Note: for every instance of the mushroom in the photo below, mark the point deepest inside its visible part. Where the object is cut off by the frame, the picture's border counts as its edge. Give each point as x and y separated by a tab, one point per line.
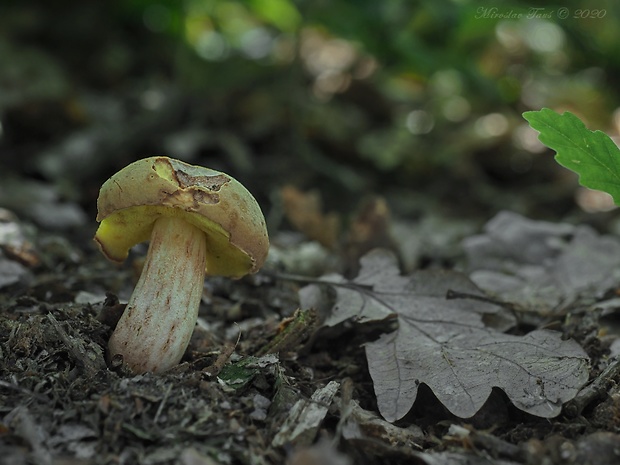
199	221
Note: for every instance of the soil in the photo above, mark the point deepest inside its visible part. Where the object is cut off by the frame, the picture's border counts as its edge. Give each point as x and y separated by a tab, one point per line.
246	388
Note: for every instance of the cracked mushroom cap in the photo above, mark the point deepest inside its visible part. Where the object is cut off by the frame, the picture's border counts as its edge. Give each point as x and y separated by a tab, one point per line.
132	199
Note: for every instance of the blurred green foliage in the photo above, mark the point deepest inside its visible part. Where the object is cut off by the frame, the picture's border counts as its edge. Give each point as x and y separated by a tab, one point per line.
437	68
356	94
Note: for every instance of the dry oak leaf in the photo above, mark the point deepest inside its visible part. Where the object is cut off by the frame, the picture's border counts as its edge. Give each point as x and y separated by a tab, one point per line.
444	343
542	266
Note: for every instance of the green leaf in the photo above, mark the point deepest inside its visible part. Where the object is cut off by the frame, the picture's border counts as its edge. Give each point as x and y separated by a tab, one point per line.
590	154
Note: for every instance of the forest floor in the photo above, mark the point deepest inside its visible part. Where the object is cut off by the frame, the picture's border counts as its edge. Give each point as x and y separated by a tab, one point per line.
447	310
262	383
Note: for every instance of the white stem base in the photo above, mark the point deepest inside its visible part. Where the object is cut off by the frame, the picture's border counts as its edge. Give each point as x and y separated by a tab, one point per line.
157	324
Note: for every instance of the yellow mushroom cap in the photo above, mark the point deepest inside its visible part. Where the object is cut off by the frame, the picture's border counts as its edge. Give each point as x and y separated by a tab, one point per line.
132	199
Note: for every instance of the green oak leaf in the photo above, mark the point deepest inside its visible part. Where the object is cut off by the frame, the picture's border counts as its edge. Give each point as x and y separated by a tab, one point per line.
590	154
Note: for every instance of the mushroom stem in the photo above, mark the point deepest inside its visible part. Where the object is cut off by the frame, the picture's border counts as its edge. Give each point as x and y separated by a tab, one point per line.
159	319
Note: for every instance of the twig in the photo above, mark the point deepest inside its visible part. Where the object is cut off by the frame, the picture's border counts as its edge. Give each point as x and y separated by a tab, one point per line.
225	354
162	403
308	280
91	365
452	294
597	388
17	387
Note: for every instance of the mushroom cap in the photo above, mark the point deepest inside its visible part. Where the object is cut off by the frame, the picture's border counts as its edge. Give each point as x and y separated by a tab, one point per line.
133	199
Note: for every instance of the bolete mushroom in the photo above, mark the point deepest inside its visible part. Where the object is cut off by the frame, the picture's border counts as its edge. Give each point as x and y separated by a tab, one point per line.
199	221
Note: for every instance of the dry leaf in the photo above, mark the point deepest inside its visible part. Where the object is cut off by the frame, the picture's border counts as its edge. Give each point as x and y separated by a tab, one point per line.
541	265
444	343
304	211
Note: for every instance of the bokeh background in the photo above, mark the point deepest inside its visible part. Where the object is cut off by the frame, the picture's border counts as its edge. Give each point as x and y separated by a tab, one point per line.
418	102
